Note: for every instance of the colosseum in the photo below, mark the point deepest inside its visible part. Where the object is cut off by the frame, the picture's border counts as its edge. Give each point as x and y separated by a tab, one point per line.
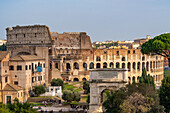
70	55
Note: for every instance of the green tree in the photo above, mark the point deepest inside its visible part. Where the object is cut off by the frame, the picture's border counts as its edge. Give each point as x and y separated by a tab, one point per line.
39	90
159	45
57	82
67	95
86	87
147	79
3	47
164	93
121	97
88	98
77	96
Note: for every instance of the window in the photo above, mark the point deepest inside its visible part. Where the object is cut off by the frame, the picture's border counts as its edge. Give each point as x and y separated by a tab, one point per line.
6	79
105	51
117	53
35	66
18	94
16	82
29	67
91	52
24	35
35	35
11	67
5	71
15	76
19	67
26	67
128	51
44	65
21	94
133	51
32	79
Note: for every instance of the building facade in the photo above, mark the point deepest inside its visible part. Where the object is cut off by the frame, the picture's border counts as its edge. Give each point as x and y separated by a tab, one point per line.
70	55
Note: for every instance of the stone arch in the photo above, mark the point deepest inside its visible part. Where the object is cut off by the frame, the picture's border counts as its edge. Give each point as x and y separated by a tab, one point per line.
24	53
98	65
75	79
138	67
150	64
68	67
102	92
123	65
117	65
91	65
84	79
147	66
98	58
76	65
129	66
104	65
123	58
134	65
129	79
143	65
133	79
85	66
111	65
143	58
56	65
138	78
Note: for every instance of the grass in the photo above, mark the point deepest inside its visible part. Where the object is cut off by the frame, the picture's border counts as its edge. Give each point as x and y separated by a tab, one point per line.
69	87
167	72
78	89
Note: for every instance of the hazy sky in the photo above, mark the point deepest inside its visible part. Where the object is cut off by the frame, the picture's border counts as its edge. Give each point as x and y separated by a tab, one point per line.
101	19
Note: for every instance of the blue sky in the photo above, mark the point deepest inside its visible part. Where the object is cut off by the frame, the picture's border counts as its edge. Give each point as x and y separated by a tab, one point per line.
101	19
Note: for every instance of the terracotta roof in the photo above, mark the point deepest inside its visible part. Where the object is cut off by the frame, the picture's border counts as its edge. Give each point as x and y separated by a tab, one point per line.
26	58
3	54
12	87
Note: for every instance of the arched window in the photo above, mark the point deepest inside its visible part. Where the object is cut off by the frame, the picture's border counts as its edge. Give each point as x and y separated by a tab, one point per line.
85	66
56	65
143	58
147	66
129	80
143	65
84	79
98	58
129	66
111	64
134	65
98	65
123	65
123	58
138	79
91	65
138	67
76	65
104	65
150	64
117	65
133	79
128	51
75	79
68	66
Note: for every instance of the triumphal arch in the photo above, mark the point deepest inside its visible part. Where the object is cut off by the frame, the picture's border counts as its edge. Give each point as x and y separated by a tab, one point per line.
102	79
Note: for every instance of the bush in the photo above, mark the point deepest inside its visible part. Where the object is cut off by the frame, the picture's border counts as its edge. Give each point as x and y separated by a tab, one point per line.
39	90
57	82
86	87
70	96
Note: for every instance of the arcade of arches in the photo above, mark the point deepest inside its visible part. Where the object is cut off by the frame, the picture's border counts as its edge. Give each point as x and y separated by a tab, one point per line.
133	61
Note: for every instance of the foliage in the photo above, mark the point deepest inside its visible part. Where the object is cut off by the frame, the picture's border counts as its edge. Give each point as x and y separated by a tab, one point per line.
70	96
88	98
39	90
164	93
86	87
123	97
4	109
159	45
3	47
21	108
136	103
146	79
77	96
57	82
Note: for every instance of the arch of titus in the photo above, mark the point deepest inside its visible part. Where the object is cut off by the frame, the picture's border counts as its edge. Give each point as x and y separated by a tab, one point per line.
102	79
